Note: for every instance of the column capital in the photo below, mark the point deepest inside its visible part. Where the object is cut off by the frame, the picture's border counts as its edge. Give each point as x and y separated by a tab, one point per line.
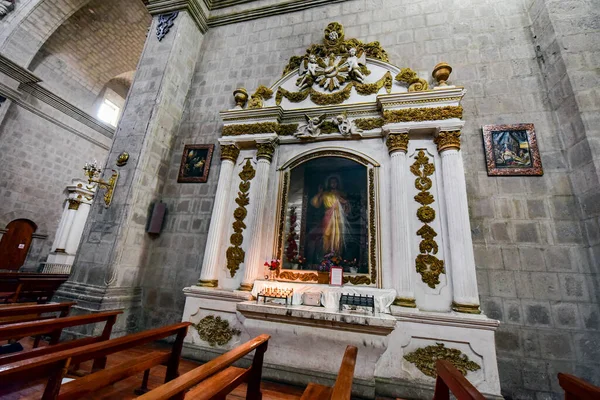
397	141
74	204
265	149
196	8
229	152
447	140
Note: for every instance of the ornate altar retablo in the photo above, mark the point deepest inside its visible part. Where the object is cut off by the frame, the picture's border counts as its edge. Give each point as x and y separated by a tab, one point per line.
348	161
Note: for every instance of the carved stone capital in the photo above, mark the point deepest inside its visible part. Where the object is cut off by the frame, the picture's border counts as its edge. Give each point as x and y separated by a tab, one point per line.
397	142
265	150
447	140
229	152
74	204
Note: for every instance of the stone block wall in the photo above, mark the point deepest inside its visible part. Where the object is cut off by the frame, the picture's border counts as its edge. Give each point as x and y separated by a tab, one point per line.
531	247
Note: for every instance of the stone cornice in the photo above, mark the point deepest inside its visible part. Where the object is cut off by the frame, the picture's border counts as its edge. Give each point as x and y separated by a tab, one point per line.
193	7
16	72
266	11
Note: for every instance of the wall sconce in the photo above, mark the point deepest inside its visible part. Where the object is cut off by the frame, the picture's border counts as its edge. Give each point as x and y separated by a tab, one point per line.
92	170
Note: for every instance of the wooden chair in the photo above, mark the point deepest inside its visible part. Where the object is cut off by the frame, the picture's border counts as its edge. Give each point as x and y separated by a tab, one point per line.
449	379
54	366
218	377
54	328
342	389
577	389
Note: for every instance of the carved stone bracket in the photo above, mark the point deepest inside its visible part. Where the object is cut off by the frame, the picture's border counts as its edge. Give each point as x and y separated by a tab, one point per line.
165	23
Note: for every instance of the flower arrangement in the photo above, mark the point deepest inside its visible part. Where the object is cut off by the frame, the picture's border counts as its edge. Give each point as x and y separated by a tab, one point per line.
291	250
329	260
273	265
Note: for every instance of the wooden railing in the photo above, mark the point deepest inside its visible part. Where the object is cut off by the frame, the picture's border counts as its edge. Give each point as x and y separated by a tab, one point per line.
217	378
577	389
20	312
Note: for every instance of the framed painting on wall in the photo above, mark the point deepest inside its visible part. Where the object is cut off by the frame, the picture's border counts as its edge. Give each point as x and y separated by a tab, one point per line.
511	150
195	163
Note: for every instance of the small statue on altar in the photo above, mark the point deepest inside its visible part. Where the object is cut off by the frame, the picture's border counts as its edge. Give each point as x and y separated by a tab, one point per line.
308	72
354	65
346	126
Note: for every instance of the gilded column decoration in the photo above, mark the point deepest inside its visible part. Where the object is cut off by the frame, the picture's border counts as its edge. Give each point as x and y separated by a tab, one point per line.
229	152
447	140
265	151
428	265
235	253
372	228
397	142
425	358
415	84
215	331
74	204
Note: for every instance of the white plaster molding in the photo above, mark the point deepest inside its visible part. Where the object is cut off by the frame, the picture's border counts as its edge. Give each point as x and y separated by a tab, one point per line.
247	139
459	320
216	294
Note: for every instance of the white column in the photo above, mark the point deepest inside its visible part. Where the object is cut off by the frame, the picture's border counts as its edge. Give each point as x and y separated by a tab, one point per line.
253	262
64	234
209	276
76	230
402	274
61	227
462	260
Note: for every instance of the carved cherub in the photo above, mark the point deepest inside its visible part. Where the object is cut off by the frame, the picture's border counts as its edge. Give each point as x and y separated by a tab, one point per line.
308	72
346	126
311	128
354	64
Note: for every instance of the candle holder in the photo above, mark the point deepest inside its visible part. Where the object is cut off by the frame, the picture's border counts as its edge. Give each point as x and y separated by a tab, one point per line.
92	171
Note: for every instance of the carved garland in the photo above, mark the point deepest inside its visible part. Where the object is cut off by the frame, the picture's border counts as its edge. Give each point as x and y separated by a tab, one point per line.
260	127
324	99
215	331
235	253
427	264
423	114
426	357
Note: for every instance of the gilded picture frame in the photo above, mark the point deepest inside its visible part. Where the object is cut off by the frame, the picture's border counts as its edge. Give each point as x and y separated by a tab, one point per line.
195	163
512	150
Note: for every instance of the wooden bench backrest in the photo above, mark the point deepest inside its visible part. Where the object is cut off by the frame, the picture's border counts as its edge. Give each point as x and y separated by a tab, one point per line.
451	379
195	376
342	390
577	389
21	313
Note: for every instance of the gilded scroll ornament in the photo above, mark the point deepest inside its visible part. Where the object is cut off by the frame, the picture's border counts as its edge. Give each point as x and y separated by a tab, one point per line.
309	277
447	140
427	264
215	331
410	77
257	99
366	124
397	142
422	114
265	151
357	279
425	358
250	129
230	152
235	253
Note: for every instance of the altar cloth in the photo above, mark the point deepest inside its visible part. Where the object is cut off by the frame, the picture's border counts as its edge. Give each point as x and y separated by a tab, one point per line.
330	295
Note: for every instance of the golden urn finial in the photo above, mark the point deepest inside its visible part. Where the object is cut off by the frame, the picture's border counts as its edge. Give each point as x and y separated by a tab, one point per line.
441	73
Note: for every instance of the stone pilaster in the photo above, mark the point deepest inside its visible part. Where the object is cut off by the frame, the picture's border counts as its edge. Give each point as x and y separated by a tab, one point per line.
402	273
212	252
115	246
254	262
462	259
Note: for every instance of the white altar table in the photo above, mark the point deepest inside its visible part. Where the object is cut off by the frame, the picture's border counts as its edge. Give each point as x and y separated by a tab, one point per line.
330	295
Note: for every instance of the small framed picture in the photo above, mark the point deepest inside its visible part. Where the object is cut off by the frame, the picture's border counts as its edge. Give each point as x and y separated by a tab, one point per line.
195	163
336	276
511	150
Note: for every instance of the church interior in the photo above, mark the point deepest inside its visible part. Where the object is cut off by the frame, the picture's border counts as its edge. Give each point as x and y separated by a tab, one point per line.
299	199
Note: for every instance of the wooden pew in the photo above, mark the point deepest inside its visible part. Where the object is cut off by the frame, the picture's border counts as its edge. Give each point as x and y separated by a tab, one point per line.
449	379
342	389
54	327
54	366
19	312
27	286
577	389
218	377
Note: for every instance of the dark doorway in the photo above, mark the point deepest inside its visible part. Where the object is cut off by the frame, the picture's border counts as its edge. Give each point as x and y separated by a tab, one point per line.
15	243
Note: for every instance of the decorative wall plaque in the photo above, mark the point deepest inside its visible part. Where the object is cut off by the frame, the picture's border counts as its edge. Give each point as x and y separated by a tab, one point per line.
511	150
